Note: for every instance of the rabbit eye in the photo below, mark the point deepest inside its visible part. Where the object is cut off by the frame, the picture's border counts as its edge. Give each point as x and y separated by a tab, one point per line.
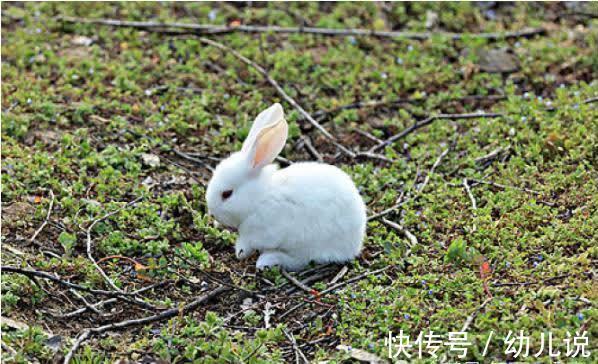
226	194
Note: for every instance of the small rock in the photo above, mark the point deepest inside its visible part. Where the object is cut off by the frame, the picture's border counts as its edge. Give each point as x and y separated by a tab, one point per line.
176	180
13	324
246	303
148	181
81	40
40	58
431	19
54	342
45	136
91	202
150	160
497	61
17	211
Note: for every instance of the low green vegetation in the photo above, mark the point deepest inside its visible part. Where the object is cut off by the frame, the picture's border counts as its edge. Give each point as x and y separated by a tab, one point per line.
94	118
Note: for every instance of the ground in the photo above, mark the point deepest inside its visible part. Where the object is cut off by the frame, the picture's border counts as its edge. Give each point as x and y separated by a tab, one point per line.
108	136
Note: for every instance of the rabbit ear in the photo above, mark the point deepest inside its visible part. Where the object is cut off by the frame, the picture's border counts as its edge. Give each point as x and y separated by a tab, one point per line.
270	138
265	119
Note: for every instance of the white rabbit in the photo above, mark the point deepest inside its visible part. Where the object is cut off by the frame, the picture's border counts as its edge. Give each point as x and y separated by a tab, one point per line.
305	212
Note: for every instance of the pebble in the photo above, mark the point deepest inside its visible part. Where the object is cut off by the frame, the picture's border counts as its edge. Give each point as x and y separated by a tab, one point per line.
150	160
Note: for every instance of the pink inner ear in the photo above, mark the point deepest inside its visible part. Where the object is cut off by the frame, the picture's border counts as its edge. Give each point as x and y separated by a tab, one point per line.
269	143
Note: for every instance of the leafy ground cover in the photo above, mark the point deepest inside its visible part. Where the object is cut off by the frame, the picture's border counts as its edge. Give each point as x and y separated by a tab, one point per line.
108	136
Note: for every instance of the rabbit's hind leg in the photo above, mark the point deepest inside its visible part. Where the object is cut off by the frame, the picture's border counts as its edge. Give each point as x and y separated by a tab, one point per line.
271	258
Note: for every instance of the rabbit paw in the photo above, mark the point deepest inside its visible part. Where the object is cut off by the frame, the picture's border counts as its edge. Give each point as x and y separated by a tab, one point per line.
275	258
242	250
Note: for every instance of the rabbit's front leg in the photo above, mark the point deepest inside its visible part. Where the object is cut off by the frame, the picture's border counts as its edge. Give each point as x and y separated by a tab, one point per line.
271	258
243	249
253	237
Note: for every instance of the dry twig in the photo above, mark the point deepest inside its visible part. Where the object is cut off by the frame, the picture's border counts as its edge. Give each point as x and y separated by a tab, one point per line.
471	317
427	121
339	275
41	227
332	289
400	202
412	239
298	353
34	273
311	149
183	28
295	281
142	321
89	243
474	205
192	159
280	90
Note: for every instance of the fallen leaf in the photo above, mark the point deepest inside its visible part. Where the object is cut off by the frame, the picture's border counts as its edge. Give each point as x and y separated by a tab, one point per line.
485	270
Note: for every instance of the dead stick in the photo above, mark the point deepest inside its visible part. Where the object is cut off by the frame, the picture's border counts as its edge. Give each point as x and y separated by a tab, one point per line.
321	115
474	205
333	288
108	301
340	274
142	321
89	243
298	352
295	281
39	230
427	121
223	29
192	159
471	317
504	187
418	191
412	238
51	277
434	166
280	90
311	149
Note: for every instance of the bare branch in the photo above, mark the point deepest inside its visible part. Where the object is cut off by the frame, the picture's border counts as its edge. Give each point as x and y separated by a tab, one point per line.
280	90
142	321
412	238
183	28
39	230
192	159
400	202
295	281
53	278
89	243
298	353
434	166
311	149
474	205
471	317
427	121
